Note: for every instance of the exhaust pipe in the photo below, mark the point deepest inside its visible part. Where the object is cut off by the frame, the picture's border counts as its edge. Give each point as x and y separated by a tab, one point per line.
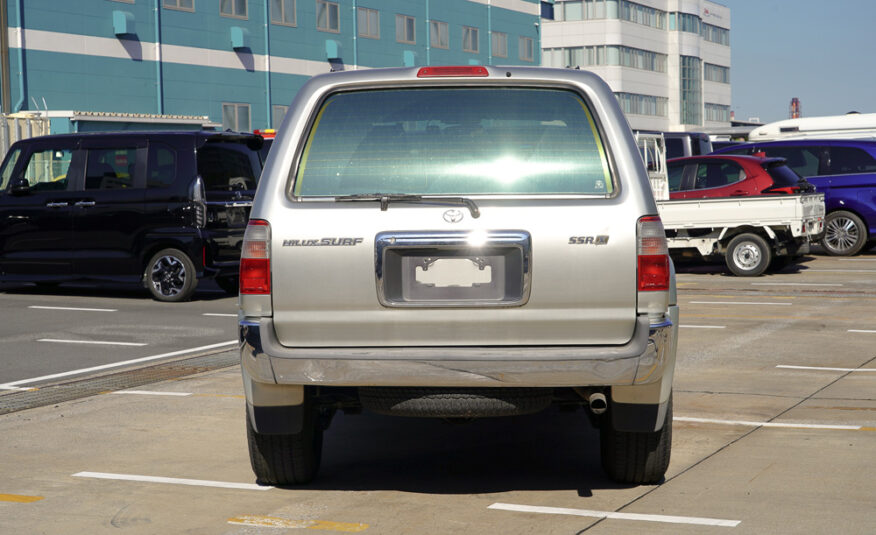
598	404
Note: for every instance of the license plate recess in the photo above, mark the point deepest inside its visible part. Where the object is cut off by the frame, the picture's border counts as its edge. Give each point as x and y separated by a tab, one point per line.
453	269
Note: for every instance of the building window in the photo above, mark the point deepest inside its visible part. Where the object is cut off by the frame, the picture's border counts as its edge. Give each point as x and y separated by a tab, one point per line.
235	117
622	56
405	29
647	16
716	73
586	9
277	114
684	22
439	34
184	5
715	34
233	8
500	44
717	112
328	18
527	48
633	104
368	22
691	90
283	12
470	39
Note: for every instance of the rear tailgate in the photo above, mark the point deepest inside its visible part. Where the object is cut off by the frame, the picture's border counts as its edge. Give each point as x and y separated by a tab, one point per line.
573	293
551	259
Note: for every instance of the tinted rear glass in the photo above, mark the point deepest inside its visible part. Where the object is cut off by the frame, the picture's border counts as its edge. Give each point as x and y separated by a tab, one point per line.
674	148
783	176
228	167
454	141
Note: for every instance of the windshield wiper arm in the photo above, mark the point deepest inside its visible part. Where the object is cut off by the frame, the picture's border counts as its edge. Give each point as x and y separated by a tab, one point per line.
386	198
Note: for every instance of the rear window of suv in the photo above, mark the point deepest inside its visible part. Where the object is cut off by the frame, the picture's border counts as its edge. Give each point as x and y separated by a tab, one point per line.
454	141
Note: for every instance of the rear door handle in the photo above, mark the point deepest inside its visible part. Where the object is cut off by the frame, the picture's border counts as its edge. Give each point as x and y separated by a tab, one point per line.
56	204
85	203
739	193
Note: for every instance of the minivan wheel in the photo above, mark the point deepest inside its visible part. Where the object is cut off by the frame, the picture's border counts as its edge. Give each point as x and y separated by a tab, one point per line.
844	234
170	276
637	458
291	459
748	255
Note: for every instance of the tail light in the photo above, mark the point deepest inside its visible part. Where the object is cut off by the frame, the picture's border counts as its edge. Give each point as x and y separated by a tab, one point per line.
653	255
198	195
255	259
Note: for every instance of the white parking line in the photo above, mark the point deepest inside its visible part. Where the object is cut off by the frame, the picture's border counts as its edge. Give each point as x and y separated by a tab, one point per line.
77	309
173	481
702	326
115	364
766	424
221	315
95	342
841	271
793	284
861	331
819	368
616	516
152	393
739	303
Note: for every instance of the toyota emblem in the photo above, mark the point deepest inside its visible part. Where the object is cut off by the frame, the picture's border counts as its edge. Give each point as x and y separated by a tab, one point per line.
453	216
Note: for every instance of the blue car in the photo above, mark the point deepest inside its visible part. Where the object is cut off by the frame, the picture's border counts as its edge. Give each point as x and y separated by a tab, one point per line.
845	171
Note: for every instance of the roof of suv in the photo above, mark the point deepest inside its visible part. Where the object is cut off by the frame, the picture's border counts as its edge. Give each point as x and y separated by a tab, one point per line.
860	143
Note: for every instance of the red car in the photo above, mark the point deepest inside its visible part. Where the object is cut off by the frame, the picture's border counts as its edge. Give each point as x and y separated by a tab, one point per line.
700	177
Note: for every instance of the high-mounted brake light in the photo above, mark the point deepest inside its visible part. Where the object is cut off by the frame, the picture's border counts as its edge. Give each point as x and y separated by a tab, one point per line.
653	255
255	259
452	71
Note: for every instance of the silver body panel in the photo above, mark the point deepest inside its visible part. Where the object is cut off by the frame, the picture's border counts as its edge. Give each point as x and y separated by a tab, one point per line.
582	321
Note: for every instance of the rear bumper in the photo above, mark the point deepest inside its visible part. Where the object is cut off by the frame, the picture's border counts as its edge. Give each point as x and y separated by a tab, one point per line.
643	360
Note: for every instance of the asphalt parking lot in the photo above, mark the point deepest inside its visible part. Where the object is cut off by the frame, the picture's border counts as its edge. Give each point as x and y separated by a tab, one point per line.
775	427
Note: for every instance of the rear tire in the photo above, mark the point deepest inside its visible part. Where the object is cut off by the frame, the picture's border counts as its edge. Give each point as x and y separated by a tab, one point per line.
170	276
286	459
637	458
748	255
844	234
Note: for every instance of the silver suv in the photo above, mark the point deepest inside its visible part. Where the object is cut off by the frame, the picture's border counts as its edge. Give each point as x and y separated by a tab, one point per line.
456	242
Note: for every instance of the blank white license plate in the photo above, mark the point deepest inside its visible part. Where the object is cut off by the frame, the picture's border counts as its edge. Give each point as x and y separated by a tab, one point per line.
453	272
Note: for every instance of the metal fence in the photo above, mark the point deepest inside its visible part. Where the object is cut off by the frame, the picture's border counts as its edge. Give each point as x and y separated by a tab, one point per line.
20	126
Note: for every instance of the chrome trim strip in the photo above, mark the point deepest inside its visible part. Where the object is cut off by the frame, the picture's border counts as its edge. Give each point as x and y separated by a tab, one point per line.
453	240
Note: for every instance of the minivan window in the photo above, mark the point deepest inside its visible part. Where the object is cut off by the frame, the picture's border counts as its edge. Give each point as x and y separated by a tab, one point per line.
162	166
849	160
454	141
803	160
674	148
227	167
8	167
47	169
110	168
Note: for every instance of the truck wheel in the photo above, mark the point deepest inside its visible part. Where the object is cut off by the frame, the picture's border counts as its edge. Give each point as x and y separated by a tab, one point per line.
638	458
170	276
286	459
748	255
844	234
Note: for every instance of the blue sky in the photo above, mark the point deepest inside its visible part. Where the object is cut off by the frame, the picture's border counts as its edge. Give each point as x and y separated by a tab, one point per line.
820	51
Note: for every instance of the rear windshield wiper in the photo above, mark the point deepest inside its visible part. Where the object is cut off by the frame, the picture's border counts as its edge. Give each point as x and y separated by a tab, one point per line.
386	198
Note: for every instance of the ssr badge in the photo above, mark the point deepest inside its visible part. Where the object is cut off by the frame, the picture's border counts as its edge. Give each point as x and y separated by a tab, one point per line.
601	239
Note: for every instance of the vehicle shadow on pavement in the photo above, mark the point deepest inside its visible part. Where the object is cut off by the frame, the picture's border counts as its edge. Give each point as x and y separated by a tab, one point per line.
207	291
551	450
720	269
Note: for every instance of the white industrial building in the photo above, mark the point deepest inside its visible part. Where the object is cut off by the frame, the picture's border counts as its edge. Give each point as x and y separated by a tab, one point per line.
668	61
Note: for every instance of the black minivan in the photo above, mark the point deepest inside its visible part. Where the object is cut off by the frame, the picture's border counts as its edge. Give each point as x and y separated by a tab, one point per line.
164	208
